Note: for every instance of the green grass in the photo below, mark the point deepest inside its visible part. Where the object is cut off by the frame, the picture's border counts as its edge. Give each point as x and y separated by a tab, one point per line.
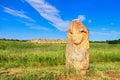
103	52
30	61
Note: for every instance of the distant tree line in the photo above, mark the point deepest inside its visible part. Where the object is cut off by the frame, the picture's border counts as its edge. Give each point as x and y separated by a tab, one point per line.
107	41
11	39
113	41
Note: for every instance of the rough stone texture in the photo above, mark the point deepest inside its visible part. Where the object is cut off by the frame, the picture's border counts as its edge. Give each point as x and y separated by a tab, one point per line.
77	47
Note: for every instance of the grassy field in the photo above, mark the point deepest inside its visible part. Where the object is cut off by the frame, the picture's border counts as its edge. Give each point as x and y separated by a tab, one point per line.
33	61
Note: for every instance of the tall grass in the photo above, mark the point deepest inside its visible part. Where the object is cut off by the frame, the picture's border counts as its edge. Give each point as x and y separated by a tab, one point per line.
15	54
24	54
103	52
47	60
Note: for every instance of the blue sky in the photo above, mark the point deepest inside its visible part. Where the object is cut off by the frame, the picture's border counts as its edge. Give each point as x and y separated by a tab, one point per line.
28	19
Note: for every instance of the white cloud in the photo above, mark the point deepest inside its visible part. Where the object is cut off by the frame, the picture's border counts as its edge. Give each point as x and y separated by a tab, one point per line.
50	13
89	21
110	33
22	15
36	27
82	18
17	13
115	32
99	33
39	28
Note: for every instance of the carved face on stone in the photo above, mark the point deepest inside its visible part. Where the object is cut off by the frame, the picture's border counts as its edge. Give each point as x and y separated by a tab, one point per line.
77	32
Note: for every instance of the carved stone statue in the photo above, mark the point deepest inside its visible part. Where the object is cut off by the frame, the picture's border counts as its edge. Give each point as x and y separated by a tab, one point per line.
77	47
